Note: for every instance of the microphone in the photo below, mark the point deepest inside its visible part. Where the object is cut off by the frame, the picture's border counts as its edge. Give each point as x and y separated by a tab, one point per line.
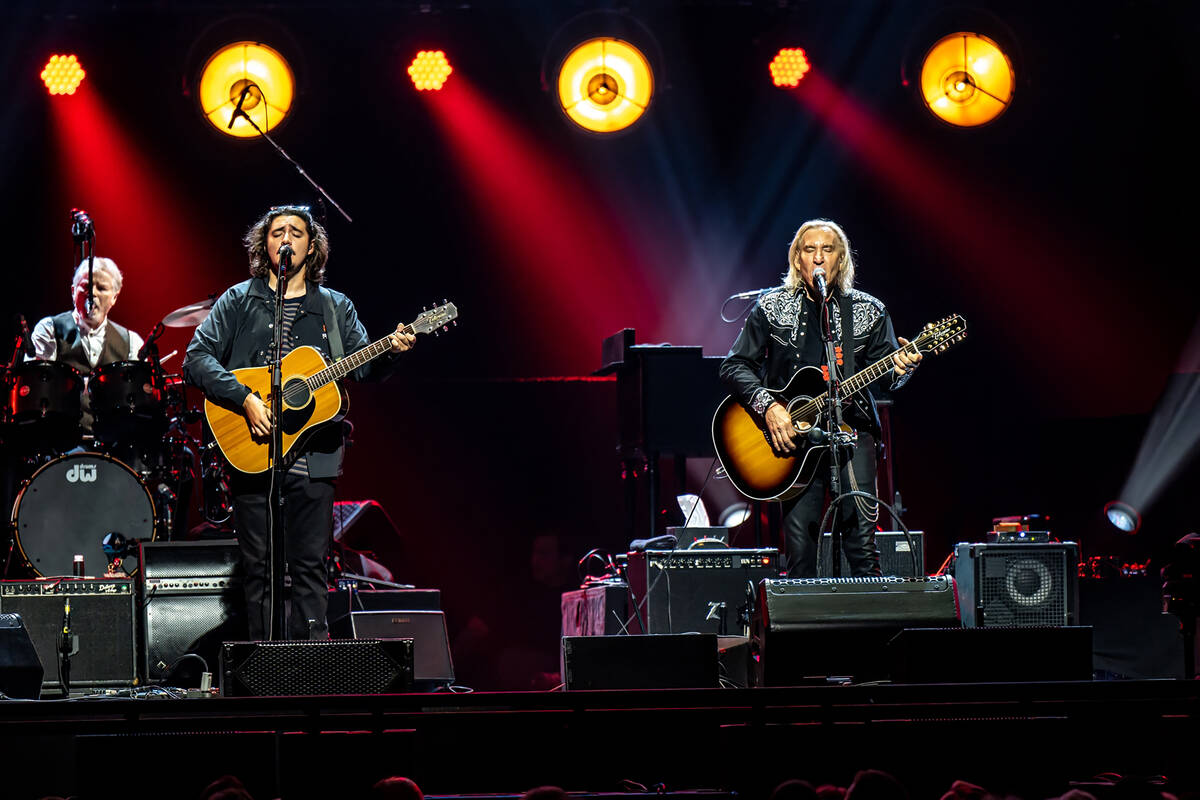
818	278
238	110
81	225
26	338
750	294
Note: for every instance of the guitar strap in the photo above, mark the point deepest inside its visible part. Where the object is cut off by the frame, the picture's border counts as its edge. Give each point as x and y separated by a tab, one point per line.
846	306
332	329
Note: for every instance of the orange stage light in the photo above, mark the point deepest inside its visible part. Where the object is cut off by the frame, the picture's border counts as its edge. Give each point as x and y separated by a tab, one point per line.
62	74
967	80
789	67
239	66
605	84
429	70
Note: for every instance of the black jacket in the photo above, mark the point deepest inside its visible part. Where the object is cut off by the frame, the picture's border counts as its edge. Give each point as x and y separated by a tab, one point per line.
766	353
238	333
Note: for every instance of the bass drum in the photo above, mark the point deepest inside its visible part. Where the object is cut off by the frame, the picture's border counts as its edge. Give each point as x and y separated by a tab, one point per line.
71	504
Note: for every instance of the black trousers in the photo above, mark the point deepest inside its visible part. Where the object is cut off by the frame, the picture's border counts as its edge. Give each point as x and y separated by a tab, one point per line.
308	527
856	517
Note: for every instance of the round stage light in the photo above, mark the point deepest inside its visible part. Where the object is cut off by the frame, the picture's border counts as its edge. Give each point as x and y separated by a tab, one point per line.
1123	516
239	67
429	70
789	67
62	74
605	85
967	80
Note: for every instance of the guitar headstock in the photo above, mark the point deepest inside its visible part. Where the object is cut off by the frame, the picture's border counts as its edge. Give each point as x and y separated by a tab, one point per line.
936	337
435	318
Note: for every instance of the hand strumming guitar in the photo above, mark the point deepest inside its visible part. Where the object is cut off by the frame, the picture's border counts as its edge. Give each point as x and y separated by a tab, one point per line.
258	416
779	426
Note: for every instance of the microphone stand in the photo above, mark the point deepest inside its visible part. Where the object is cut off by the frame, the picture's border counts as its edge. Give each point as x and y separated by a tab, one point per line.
239	112
277	629
84	234
836	437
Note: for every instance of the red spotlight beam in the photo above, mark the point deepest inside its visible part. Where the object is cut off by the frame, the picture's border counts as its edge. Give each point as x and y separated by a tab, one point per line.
138	218
572	277
1020	262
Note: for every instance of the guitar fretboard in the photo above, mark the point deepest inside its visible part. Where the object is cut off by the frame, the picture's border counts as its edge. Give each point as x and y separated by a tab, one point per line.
859	381
342	368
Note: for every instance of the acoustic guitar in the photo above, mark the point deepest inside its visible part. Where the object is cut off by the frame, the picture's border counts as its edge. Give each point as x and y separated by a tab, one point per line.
744	445
311	394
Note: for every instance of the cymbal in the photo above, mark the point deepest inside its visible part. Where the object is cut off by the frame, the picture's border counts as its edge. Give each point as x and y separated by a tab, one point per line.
188	316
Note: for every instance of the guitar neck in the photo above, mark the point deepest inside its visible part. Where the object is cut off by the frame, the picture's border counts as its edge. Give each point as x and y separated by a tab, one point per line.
341	369
864	378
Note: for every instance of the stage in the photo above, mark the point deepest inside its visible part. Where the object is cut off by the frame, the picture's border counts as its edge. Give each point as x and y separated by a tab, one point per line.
1030	739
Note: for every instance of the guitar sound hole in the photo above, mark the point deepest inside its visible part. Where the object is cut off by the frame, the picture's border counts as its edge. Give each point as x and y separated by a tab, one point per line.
296	393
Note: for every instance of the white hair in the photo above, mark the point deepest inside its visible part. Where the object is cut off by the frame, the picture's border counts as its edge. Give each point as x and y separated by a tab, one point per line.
106	264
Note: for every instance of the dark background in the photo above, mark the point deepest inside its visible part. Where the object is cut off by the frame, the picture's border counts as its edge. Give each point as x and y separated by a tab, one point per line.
1061	232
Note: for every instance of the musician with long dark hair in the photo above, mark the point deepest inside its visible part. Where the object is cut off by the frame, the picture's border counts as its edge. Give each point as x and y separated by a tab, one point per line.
239	333
782	335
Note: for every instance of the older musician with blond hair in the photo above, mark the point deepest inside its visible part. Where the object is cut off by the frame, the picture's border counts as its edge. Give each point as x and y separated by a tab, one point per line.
783	334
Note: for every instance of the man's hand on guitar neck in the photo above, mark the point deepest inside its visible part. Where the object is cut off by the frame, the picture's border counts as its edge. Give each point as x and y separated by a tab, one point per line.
258	416
780	428
402	341
903	361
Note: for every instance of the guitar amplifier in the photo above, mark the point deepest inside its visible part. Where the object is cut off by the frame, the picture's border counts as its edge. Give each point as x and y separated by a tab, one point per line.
815	628
192	601
896	556
102	623
1018	584
695	591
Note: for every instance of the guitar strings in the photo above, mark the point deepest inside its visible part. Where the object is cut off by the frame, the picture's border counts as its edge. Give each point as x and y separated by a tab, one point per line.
818	403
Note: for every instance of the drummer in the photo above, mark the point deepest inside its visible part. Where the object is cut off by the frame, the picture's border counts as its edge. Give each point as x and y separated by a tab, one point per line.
85	338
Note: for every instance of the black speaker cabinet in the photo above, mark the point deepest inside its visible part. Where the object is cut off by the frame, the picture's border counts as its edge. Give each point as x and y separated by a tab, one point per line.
1017	584
102	623
700	591
595	610
337	666
344	601
192	601
655	661
432	664
896	556
811	629
20	670
989	655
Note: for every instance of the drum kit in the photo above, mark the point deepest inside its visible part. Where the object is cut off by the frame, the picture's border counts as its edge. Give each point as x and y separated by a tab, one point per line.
103	461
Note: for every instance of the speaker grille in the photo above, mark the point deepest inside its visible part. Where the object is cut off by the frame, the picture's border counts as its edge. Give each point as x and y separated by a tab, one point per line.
313	668
1017	584
179	624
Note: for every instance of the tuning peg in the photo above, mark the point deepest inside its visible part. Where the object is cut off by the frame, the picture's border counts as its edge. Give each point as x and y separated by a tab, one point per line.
445	327
445	301
454	323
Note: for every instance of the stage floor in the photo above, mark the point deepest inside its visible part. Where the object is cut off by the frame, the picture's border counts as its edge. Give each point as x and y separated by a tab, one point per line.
1027	738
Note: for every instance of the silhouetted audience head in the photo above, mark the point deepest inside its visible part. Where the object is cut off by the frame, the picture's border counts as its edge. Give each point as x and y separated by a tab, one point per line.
827	791
226	787
545	793
794	790
874	784
396	788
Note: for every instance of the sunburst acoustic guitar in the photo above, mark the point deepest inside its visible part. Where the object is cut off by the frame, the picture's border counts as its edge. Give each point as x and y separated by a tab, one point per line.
744	446
311	395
